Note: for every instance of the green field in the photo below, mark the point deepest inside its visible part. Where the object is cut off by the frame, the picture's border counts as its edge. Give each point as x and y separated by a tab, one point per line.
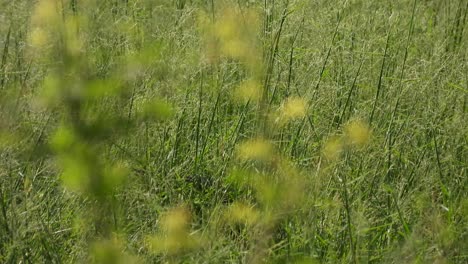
248	131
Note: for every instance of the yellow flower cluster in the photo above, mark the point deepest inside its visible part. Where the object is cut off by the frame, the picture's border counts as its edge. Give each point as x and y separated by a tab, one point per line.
356	134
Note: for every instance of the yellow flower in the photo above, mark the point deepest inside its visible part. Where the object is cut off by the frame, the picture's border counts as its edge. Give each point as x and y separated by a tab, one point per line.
292	109
242	213
248	90
46	13
38	38
255	149
357	133
332	148
174	236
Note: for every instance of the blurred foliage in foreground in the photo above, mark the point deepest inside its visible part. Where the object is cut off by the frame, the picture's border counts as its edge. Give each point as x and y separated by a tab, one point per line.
152	131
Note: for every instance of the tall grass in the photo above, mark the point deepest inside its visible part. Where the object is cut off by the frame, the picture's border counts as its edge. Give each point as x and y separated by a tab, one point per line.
151	131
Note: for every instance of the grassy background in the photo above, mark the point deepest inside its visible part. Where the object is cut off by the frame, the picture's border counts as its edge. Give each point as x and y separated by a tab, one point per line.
400	66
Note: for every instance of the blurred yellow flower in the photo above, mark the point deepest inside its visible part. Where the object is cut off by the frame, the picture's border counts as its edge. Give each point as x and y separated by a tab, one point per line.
176	220
255	149
242	213
234	36
292	109
46	13
357	133
38	38
332	148
110	251
175	233
249	90
73	42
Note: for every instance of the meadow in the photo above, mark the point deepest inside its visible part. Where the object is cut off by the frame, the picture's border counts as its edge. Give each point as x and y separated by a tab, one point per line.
248	131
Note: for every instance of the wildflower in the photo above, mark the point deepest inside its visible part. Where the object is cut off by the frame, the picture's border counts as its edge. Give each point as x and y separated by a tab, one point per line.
46	13
332	148
242	213
110	251
255	149
38	38
249	90
174	236
292	109
357	133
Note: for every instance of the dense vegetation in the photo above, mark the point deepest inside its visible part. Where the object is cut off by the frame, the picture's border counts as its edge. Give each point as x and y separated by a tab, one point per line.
203	131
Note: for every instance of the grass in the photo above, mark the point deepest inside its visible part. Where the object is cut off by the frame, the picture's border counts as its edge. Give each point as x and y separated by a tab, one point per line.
153	131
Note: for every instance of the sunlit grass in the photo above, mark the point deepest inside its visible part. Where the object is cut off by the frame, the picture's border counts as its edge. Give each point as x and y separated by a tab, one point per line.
153	131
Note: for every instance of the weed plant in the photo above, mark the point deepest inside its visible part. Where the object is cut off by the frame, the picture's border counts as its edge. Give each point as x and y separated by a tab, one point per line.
203	131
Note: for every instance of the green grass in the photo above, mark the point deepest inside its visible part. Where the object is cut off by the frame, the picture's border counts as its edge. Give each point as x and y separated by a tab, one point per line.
117	134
